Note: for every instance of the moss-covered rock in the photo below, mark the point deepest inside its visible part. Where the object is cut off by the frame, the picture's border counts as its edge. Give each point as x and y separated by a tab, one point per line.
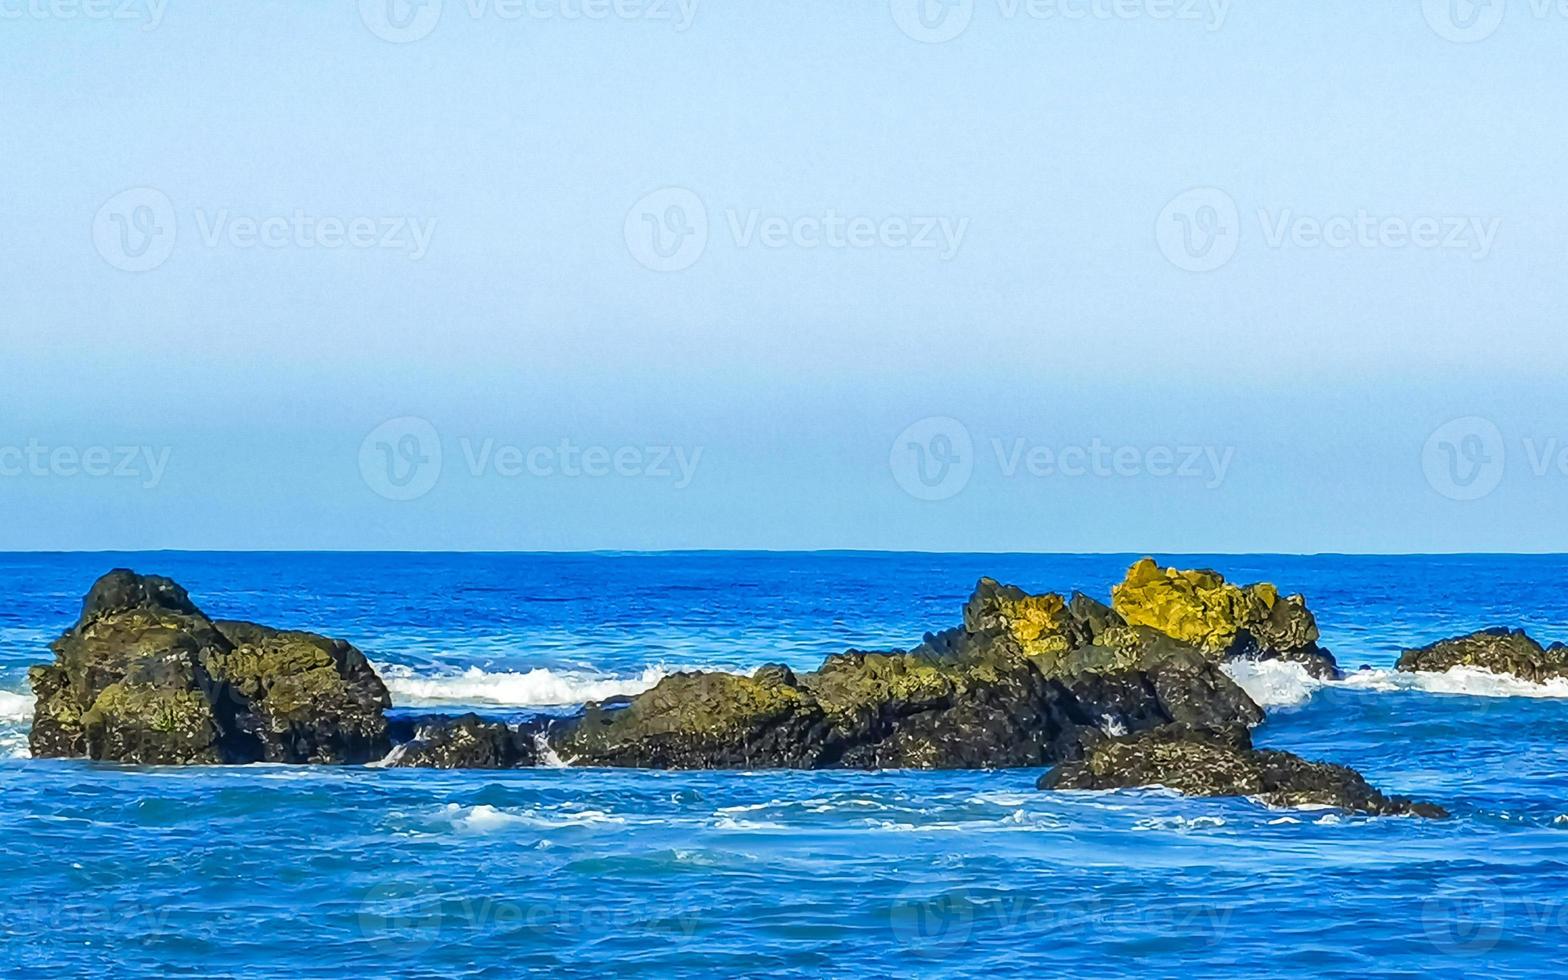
1198	607
300	697
1499	650
145	677
152	725
1222	762
1019	684
703	721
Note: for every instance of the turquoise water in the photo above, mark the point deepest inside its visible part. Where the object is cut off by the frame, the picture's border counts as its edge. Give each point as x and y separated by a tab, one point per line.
273	871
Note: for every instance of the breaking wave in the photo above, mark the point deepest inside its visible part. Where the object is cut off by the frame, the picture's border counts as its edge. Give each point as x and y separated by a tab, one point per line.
1277	683
15	707
540	687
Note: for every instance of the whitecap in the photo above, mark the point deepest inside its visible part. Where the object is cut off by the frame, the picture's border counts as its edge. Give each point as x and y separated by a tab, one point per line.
730	823
484	818
1471	681
1178	822
540	687
1281	684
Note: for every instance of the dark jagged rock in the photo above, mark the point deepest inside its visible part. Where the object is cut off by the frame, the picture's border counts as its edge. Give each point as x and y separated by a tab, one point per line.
1222	762
145	677
1252	622
1018	685
465	742
1499	650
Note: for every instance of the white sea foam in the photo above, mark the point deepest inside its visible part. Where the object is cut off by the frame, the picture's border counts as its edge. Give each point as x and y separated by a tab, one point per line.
15	707
484	818
16	710
1178	823
1273	683
1277	683
1471	681
541	687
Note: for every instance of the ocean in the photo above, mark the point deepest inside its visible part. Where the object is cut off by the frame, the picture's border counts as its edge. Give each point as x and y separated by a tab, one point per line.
264	871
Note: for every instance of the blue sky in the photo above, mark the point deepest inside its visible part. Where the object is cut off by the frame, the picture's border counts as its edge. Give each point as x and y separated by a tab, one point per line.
1083	276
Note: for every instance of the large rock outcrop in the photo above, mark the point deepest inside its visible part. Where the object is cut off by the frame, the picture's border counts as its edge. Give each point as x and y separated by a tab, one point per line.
1499	650
1019	684
144	676
1201	608
1222	762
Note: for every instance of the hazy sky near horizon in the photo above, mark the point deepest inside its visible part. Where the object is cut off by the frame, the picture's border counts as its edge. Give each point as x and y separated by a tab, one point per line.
1071	275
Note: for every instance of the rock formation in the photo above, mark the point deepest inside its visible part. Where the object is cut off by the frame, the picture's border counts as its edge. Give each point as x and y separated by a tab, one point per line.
1499	650
145	677
1129	694
1222	762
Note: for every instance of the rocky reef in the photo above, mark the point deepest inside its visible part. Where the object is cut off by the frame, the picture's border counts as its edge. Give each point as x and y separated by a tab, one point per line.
1126	694
1499	650
1018	684
145	676
1222	762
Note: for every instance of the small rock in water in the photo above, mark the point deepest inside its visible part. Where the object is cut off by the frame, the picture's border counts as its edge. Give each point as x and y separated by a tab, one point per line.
1223	762
1499	650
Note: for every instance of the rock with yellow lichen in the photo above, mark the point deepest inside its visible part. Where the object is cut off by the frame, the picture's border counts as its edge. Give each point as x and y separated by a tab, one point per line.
1232	622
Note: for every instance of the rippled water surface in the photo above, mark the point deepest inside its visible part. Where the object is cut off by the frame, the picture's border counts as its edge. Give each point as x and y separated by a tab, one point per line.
274	871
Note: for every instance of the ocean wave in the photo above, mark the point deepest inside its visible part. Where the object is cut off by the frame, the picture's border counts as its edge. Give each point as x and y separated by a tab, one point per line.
1280	684
540	687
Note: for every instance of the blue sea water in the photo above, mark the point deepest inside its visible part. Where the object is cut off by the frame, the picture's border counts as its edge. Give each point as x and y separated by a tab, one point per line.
267	871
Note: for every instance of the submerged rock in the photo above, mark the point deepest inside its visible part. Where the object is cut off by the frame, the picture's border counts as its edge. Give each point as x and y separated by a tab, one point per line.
1499	650
1199	607
1222	762
145	677
465	742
